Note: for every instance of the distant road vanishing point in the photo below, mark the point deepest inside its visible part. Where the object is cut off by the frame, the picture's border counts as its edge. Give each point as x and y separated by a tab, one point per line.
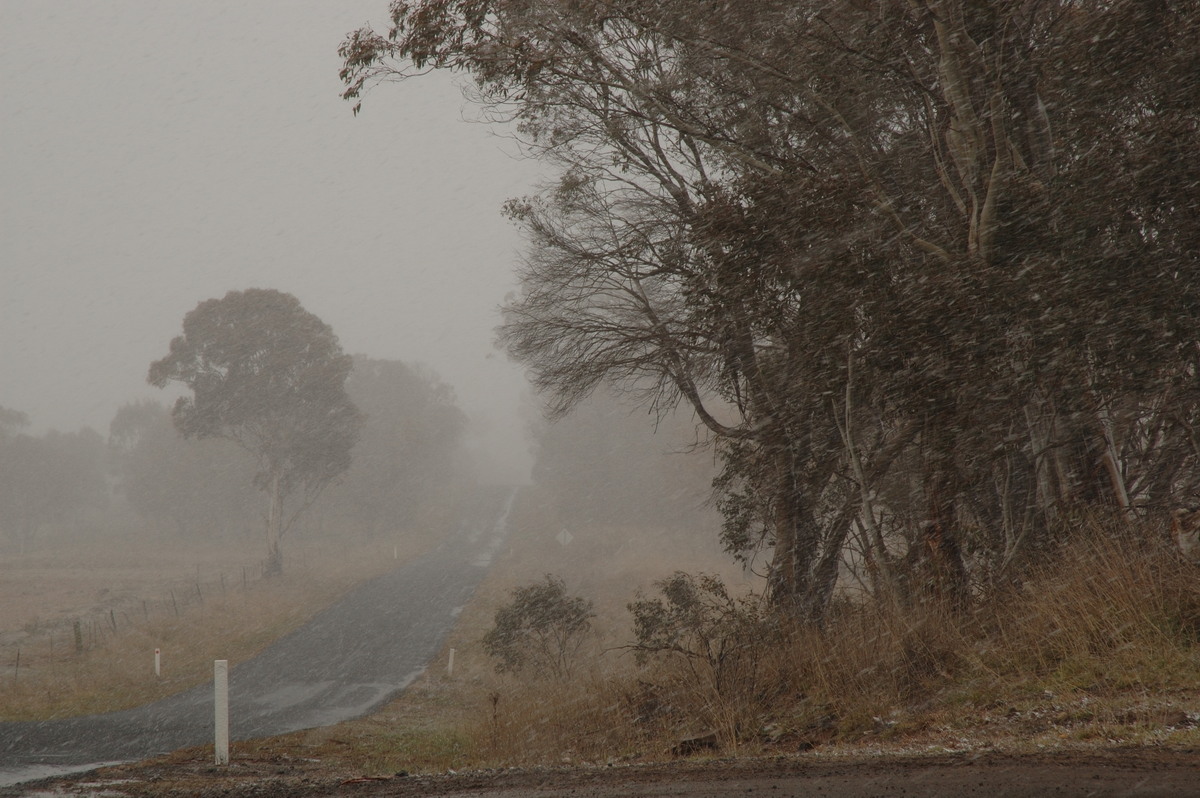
348	661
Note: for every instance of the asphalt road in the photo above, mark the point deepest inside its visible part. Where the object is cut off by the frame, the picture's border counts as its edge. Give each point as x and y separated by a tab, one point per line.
346	662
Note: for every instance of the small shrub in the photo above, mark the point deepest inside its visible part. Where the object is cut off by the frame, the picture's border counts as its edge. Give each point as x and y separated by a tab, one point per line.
698	620
541	629
711	645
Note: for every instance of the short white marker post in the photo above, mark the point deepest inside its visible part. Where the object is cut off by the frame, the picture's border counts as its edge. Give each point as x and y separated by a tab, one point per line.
221	694
157	662
450	664
395	552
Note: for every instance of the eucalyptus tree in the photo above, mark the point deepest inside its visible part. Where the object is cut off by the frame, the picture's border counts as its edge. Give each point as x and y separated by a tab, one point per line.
269	376
855	236
629	278
411	446
48	479
194	487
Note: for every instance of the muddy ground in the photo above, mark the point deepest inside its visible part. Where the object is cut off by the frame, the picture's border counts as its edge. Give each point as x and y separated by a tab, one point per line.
1112	772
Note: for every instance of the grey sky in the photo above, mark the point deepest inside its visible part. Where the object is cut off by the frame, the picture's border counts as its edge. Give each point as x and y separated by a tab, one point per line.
154	154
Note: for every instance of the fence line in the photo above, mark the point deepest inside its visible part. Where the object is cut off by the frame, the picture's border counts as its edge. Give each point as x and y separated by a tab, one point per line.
85	631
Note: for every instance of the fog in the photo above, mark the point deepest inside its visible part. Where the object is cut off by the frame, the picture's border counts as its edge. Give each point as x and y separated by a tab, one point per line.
156	155
871	329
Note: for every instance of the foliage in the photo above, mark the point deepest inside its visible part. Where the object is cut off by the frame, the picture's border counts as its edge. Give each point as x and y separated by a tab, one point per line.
49	478
1100	643
269	376
11	421
410	447
719	636
541	628
196	486
922	268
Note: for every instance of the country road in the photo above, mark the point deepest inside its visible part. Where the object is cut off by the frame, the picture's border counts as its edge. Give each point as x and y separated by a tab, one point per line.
347	661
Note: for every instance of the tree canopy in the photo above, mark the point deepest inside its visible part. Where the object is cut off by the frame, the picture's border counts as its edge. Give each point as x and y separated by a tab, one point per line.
47	479
411	444
925	270
198	487
269	376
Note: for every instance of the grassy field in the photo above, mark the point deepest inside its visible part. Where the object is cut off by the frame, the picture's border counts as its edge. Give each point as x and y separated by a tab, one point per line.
129	596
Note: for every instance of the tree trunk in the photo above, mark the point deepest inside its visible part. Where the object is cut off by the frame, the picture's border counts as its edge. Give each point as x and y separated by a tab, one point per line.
940	546
1047	497
783	583
274	564
825	574
793	583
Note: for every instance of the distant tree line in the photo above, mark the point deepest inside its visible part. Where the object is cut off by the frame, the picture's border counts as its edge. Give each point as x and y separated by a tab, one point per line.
411	447
52	478
926	271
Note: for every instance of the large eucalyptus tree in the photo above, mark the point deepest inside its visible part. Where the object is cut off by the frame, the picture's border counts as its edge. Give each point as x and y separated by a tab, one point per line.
269	376
924	268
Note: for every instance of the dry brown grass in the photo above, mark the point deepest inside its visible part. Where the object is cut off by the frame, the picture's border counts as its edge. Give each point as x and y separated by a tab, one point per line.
194	602
1105	636
1100	647
479	718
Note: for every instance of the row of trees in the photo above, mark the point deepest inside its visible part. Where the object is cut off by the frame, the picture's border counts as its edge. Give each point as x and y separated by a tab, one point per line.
209	484
47	479
924	269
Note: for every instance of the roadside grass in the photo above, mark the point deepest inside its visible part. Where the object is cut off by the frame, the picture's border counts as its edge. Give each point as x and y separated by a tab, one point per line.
1099	648
477	718
131	596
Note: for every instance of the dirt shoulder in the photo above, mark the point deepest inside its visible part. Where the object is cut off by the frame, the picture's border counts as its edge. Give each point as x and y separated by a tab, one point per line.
1112	772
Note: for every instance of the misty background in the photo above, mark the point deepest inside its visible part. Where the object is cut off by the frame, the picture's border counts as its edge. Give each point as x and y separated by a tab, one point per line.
158	154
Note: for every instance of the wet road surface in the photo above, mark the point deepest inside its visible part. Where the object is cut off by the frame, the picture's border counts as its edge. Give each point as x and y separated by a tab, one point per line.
347	661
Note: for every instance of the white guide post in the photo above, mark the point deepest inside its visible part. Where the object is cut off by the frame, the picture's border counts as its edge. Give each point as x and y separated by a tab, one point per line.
450	664
157	662
221	694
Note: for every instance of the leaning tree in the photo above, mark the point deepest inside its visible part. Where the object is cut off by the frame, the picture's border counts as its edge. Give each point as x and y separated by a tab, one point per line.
269	376
931	257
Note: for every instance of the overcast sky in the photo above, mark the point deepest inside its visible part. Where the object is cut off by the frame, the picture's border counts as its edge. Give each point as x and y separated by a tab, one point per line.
154	154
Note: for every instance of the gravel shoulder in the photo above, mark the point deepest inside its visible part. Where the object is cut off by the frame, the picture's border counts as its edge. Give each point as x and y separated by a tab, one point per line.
1113	772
